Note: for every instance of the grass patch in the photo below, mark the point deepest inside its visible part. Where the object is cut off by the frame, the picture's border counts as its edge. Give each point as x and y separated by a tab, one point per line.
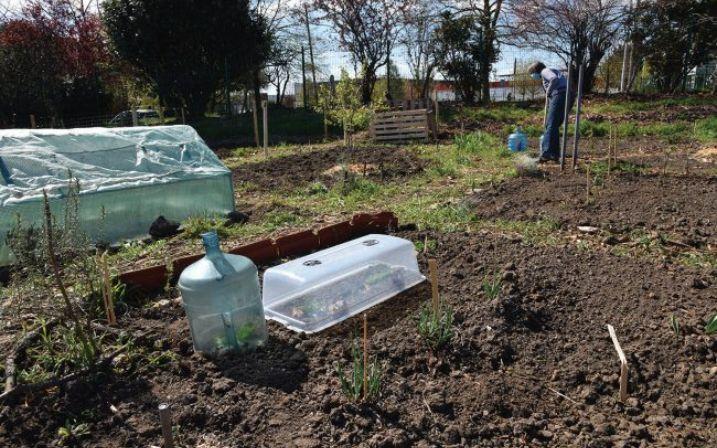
623	106
698	260
541	232
706	130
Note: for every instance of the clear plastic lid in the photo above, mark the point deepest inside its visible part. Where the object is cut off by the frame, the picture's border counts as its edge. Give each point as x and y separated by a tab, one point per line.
317	291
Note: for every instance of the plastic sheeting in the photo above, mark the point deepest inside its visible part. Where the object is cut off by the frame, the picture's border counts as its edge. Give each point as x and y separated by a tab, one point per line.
128	177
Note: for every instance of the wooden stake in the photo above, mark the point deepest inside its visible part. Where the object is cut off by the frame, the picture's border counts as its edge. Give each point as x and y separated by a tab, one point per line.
587	183
365	355
107	291
623	363
609	153
433	269
33	123
165	418
184	120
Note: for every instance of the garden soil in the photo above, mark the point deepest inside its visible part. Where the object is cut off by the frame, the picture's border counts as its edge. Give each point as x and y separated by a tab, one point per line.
532	367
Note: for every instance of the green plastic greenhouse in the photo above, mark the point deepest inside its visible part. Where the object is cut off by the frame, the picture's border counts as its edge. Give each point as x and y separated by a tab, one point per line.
127	176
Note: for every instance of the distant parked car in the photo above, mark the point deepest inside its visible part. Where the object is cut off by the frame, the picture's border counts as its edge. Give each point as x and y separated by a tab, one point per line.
124	118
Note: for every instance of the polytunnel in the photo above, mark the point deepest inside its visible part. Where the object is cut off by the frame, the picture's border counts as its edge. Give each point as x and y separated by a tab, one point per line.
127	178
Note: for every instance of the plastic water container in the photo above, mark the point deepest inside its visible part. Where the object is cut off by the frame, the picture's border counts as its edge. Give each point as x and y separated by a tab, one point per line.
517	141
221	297
315	292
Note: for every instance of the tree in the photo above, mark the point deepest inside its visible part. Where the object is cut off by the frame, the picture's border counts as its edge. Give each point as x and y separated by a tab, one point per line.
577	31
418	38
487	14
281	65
30	75
674	37
460	52
367	29
187	47
54	61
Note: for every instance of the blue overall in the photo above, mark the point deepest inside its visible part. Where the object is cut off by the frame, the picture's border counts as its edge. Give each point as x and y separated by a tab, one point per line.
555	86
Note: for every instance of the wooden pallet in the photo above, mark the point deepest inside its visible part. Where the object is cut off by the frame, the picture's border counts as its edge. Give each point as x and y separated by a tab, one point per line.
400	125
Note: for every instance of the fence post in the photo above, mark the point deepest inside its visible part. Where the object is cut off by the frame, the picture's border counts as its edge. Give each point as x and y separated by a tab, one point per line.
135	119
303	78
254	106
184	120
438	115
33	123
265	118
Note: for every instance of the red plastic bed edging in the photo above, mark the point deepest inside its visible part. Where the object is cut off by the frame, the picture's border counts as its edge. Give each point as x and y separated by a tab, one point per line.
270	250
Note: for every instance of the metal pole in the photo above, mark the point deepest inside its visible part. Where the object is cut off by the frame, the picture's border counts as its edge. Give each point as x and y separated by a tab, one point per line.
577	116
303	77
515	74
564	146
311	54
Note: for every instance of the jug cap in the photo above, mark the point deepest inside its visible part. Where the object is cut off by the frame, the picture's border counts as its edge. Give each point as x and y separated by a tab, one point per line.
210	240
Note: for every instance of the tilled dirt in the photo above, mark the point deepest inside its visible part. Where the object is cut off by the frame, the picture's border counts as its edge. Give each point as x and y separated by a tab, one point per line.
679	205
327	166
532	367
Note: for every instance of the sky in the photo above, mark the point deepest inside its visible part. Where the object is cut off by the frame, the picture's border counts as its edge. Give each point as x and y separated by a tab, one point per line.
332	59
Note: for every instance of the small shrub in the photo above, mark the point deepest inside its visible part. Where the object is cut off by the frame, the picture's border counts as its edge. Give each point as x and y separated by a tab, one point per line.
491	285
72	431
352	385
435	327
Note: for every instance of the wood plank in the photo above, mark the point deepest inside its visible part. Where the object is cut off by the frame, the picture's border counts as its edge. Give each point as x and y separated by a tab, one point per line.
399	120
401	131
420	124
402	137
398	113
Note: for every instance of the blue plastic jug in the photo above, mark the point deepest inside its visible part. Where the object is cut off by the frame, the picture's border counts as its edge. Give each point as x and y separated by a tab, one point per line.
517	141
220	294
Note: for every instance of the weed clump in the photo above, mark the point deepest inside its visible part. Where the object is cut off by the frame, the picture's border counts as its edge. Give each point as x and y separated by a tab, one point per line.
675	325
435	325
352	386
491	285
711	327
526	166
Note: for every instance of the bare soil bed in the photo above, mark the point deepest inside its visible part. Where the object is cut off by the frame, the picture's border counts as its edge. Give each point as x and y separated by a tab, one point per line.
299	170
681	205
534	366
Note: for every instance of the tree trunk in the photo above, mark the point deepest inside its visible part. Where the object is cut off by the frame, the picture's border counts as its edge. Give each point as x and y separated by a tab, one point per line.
485	84
368	82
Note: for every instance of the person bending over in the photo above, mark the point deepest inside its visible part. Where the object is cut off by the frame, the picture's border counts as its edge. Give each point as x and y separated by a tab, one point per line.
556	87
